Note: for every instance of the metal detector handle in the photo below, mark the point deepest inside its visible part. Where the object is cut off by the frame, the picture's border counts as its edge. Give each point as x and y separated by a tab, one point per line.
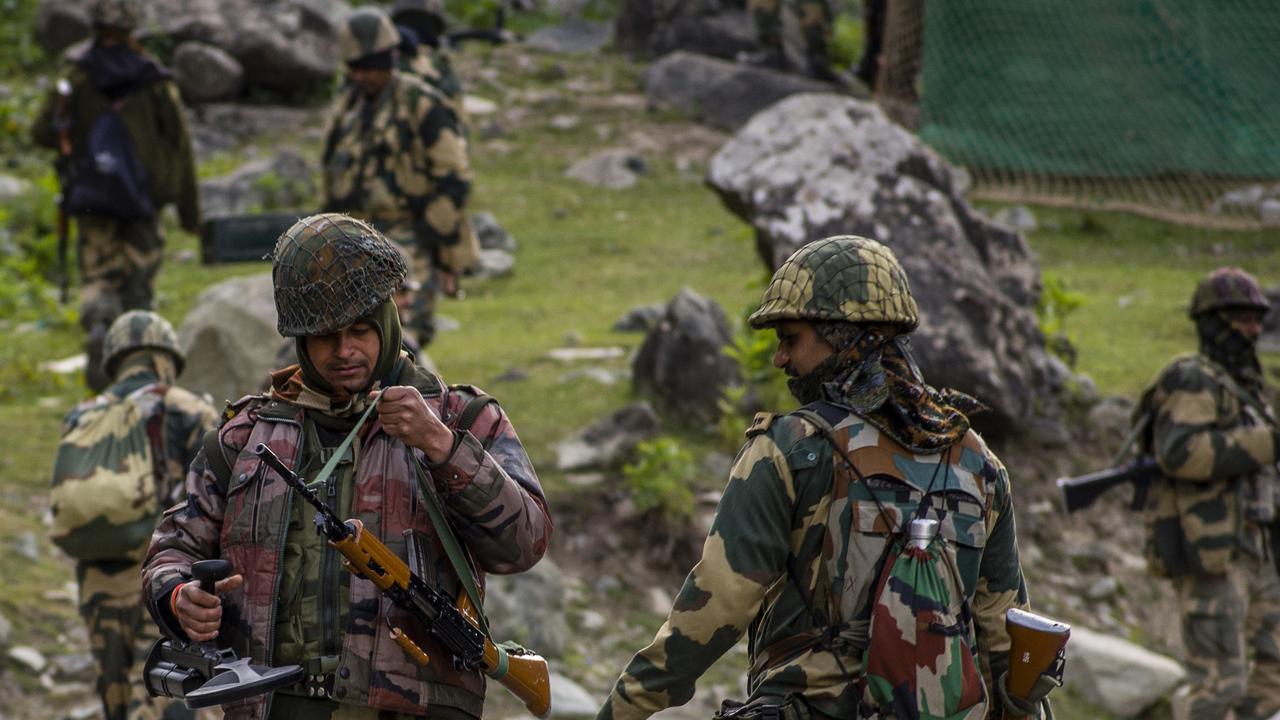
209	572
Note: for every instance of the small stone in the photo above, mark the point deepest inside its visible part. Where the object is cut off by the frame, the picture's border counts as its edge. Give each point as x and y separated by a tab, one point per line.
659	601
444	323
29	657
6	629
476	106
84	712
1103	589
571	338
565	122
26	546
569	700
591	620
1269	212
495	264
607	584
76	666
600	375
584	480
513	374
1018	218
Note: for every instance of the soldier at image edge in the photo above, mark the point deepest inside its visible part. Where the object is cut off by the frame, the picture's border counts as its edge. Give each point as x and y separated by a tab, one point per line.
815	498
423	53
119	256
1211	519
395	155
142	359
290	601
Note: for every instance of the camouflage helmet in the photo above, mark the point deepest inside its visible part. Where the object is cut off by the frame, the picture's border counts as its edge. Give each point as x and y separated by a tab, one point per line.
846	278
330	270
120	14
366	31
1228	287
137	330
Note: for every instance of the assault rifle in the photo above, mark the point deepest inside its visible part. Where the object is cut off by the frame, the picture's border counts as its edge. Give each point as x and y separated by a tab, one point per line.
63	168
454	625
1080	492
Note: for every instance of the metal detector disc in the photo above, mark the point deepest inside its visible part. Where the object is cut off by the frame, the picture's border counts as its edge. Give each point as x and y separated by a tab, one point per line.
239	679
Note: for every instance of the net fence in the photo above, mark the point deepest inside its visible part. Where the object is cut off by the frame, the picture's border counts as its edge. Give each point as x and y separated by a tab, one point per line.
1166	107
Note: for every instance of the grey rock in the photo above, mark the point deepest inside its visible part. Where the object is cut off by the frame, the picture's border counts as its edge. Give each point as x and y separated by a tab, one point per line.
288	47
12	188
230	338
27	546
530	608
1017	218
1240	200
720	93
1269	212
601	375
224	126
495	264
653	28
1117	676
76	666
514	374
1103	589
284	181
607	441
29	658
591	621
641	318
206	73
61	24
569	700
6	631
490	233
815	165
571	37
84	712
614	169
682	361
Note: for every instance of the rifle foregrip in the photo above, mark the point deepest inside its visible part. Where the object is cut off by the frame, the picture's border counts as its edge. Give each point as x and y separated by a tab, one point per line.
526	676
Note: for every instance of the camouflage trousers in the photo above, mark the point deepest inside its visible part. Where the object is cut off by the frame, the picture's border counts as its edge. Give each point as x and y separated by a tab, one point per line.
814	20
120	636
1223	618
118	264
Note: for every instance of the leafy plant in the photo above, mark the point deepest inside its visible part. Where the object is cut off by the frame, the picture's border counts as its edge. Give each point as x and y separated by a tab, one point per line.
661	478
1055	305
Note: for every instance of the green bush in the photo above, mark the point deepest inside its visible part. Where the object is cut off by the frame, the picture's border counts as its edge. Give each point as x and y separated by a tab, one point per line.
661	478
1055	305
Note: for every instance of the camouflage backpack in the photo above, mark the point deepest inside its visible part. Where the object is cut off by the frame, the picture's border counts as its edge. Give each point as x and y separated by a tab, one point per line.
105	496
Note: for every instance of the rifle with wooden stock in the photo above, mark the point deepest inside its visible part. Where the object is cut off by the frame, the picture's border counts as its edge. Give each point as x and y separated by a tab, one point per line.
1037	660
456	625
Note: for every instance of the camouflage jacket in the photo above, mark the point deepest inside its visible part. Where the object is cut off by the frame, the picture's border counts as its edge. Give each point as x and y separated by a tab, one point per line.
400	161
157	126
489	490
434	68
187	417
795	548
1213	441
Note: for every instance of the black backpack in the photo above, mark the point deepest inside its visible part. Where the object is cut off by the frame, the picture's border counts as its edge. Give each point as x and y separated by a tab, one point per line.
106	176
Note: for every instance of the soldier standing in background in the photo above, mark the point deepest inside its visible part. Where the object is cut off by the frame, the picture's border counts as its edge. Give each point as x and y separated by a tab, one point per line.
291	601
1211	521
815	499
422	51
815	19
395	154
142	358
119	251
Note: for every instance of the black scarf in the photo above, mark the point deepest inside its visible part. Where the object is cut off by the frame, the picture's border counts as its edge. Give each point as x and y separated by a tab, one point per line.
120	70
1230	348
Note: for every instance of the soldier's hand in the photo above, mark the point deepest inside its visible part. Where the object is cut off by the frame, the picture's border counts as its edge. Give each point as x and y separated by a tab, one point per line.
198	612
449	285
406	417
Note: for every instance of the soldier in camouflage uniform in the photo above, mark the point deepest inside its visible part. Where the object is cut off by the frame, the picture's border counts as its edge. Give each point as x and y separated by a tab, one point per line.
395	155
815	19
290	600
816	496
422	51
1211	520
143	359
119	258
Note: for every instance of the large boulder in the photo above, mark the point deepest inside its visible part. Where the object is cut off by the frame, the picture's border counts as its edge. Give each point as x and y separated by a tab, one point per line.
280	182
205	73
816	165
230	338
609	440
288	47
718	92
529	608
682	362
1115	675
656	27
61	24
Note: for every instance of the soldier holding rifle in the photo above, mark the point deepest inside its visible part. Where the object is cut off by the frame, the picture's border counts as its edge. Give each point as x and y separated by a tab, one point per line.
1211	517
290	600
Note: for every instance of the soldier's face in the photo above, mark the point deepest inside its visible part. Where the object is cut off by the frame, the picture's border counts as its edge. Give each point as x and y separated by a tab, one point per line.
345	359
1247	322
800	348
369	82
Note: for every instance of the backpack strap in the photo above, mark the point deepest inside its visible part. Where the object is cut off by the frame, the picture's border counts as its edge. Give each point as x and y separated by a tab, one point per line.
471	411
216	461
